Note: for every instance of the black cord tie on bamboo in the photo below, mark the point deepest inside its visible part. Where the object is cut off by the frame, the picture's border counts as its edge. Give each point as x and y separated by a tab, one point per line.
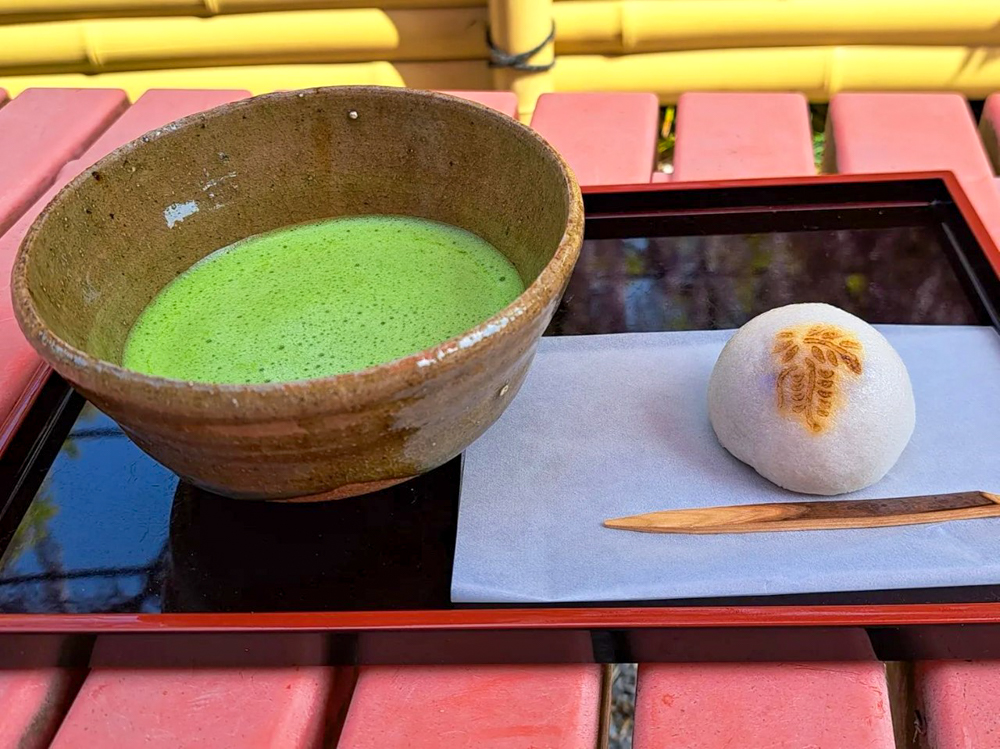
501	59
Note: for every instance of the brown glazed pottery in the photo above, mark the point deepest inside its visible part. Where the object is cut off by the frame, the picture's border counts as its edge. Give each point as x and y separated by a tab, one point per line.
130	224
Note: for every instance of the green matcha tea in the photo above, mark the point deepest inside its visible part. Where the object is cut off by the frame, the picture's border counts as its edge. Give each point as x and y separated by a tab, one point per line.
320	299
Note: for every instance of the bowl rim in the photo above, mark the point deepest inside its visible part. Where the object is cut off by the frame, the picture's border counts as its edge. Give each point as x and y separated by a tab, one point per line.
346	391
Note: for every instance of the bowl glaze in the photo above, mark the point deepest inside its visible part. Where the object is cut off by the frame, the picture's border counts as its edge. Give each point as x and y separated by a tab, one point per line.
122	230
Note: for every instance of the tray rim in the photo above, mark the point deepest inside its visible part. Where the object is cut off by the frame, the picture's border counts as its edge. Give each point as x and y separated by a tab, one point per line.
490	619
556	617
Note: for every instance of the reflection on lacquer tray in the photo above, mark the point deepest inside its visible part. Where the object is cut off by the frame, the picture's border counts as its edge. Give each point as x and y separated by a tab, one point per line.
638	285
387	550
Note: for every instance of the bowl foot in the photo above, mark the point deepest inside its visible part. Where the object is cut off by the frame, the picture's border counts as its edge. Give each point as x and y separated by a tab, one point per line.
345	492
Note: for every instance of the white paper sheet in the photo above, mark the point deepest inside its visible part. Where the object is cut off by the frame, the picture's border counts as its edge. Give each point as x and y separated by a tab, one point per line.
606	426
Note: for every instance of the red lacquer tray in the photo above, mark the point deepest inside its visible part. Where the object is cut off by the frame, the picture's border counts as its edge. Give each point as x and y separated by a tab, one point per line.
97	537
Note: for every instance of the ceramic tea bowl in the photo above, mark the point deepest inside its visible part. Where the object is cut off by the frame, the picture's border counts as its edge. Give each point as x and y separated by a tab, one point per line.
116	235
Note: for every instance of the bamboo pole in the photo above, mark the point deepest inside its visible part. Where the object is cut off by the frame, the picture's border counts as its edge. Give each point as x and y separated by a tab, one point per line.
517	26
257	79
818	72
256	6
631	26
258	38
35	11
260	79
31	11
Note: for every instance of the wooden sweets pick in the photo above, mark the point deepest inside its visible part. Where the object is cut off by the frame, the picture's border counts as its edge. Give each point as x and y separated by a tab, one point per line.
815	516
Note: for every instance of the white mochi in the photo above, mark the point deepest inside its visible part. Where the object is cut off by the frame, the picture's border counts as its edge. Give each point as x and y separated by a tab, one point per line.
832	429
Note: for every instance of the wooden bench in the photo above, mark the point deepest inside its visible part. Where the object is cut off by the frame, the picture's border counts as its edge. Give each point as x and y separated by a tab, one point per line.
190	700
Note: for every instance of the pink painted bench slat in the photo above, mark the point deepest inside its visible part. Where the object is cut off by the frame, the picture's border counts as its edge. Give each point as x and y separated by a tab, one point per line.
33	700
959	704
913	132
904	132
741	136
180	700
487	707
20	368
607	139
756	702
763	706
42	129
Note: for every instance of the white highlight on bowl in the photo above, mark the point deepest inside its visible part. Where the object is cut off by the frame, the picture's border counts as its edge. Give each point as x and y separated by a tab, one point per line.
174	214
472	338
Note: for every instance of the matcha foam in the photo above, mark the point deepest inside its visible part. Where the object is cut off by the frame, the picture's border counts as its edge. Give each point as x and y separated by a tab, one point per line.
320	299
